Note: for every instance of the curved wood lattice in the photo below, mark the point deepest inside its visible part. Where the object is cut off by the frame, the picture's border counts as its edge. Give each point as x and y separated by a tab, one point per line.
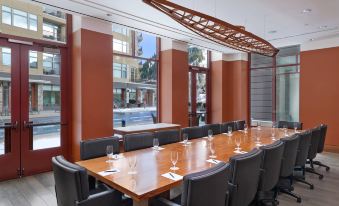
215	29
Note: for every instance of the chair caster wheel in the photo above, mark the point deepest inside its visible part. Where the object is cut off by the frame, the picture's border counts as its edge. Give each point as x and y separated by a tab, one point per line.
299	200
321	177
327	169
311	187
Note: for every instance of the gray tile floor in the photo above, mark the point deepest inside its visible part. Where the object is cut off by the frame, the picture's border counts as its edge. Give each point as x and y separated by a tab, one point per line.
38	190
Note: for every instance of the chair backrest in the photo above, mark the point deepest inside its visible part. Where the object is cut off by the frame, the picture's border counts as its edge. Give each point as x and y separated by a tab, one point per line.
239	124
323	131
303	148
224	127
167	136
290	155
271	163
214	127
71	182
138	141
316	135
193	132
207	187
289	125
244	177
90	149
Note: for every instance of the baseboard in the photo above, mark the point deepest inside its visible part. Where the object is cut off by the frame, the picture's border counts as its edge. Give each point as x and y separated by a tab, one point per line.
331	148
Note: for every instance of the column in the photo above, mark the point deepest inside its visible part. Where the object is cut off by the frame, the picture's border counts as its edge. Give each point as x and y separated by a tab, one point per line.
92	77
173	80
229	87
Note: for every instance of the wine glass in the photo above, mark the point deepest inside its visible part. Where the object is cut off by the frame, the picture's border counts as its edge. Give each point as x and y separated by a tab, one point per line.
273	132
259	125
212	150
109	153
285	130
156	144
210	135
174	160
245	128
185	138
229	131
238	142
295	127
132	163
257	139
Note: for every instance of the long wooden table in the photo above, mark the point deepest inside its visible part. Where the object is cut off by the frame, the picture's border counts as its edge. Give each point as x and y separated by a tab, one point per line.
151	164
145	128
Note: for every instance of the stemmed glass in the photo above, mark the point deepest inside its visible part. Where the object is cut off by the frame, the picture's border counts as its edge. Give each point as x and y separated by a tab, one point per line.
259	125
245	128
237	142
174	160
295	127
285	130
257	139
132	163
229	131
212	150
156	144
273	132
109	153
185	138
210	134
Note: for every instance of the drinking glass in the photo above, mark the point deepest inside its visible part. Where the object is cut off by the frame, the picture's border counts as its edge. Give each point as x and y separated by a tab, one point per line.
285	130
132	163
109	152
295	127
185	138
273	132
257	139
212	150
174	160
229	131
156	144
245	128
238	142
210	134
259	125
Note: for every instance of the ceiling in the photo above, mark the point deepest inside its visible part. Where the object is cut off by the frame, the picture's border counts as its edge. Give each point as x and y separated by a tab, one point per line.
282	23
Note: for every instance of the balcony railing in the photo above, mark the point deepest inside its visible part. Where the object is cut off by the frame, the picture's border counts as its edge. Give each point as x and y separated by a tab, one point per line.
55	13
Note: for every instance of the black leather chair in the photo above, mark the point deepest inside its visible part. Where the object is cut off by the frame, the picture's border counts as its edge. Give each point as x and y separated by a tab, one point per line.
138	141
193	132
289	125
224	127
90	149
323	131
214	127
203	188
167	136
303	148
287	166
270	173
239	124
71	187
243	178
312	153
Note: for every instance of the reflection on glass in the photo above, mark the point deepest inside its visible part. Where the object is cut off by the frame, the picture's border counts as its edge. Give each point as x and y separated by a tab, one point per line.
145	45
44	99
201	98
197	56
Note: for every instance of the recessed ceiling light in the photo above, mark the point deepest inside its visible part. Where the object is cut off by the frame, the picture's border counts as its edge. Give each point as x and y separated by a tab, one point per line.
272	31
312	39
306	11
108	14
323	27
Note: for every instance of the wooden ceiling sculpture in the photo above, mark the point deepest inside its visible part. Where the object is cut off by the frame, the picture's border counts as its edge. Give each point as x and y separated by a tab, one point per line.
215	29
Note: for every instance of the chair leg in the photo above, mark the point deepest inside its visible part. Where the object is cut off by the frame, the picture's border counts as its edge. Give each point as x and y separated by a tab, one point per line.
305	182
311	170
322	165
285	191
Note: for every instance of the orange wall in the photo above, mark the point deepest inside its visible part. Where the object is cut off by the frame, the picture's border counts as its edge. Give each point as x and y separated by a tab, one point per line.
319	91
229	91
174	87
92	104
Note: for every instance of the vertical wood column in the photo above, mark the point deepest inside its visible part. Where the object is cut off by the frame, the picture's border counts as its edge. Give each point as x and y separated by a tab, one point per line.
174	83
229	87
92	83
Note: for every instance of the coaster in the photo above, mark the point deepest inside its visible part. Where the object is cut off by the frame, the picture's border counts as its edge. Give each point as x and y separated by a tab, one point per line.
159	148
109	172
172	176
213	161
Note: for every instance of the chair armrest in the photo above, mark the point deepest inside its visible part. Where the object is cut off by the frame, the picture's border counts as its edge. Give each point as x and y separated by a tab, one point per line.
108	197
163	202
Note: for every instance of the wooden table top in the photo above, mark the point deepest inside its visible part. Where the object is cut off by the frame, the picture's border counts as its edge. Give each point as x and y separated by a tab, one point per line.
151	164
145	128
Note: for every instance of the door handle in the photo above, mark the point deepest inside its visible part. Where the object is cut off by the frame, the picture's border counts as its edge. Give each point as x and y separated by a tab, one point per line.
15	125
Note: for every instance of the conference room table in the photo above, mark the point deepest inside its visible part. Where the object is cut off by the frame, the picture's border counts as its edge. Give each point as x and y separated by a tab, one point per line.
145	128
148	181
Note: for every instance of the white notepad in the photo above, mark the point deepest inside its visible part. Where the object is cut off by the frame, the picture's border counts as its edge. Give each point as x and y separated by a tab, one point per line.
172	176
213	161
186	142
109	172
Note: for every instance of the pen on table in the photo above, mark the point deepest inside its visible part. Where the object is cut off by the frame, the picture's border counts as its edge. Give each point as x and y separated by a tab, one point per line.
171	174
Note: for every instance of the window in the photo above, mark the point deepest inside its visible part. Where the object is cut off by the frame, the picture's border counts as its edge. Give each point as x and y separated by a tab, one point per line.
197	56
50	31
135	89
20	19
51	63
33	59
275	86
6	56
6	15
33	22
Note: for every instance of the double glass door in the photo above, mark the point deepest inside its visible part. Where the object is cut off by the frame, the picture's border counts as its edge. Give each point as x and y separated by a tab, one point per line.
30	108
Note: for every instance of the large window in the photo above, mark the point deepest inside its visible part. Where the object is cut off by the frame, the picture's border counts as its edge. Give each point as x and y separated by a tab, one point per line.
135	67
6	56
51	63
19	18
275	86
197	56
